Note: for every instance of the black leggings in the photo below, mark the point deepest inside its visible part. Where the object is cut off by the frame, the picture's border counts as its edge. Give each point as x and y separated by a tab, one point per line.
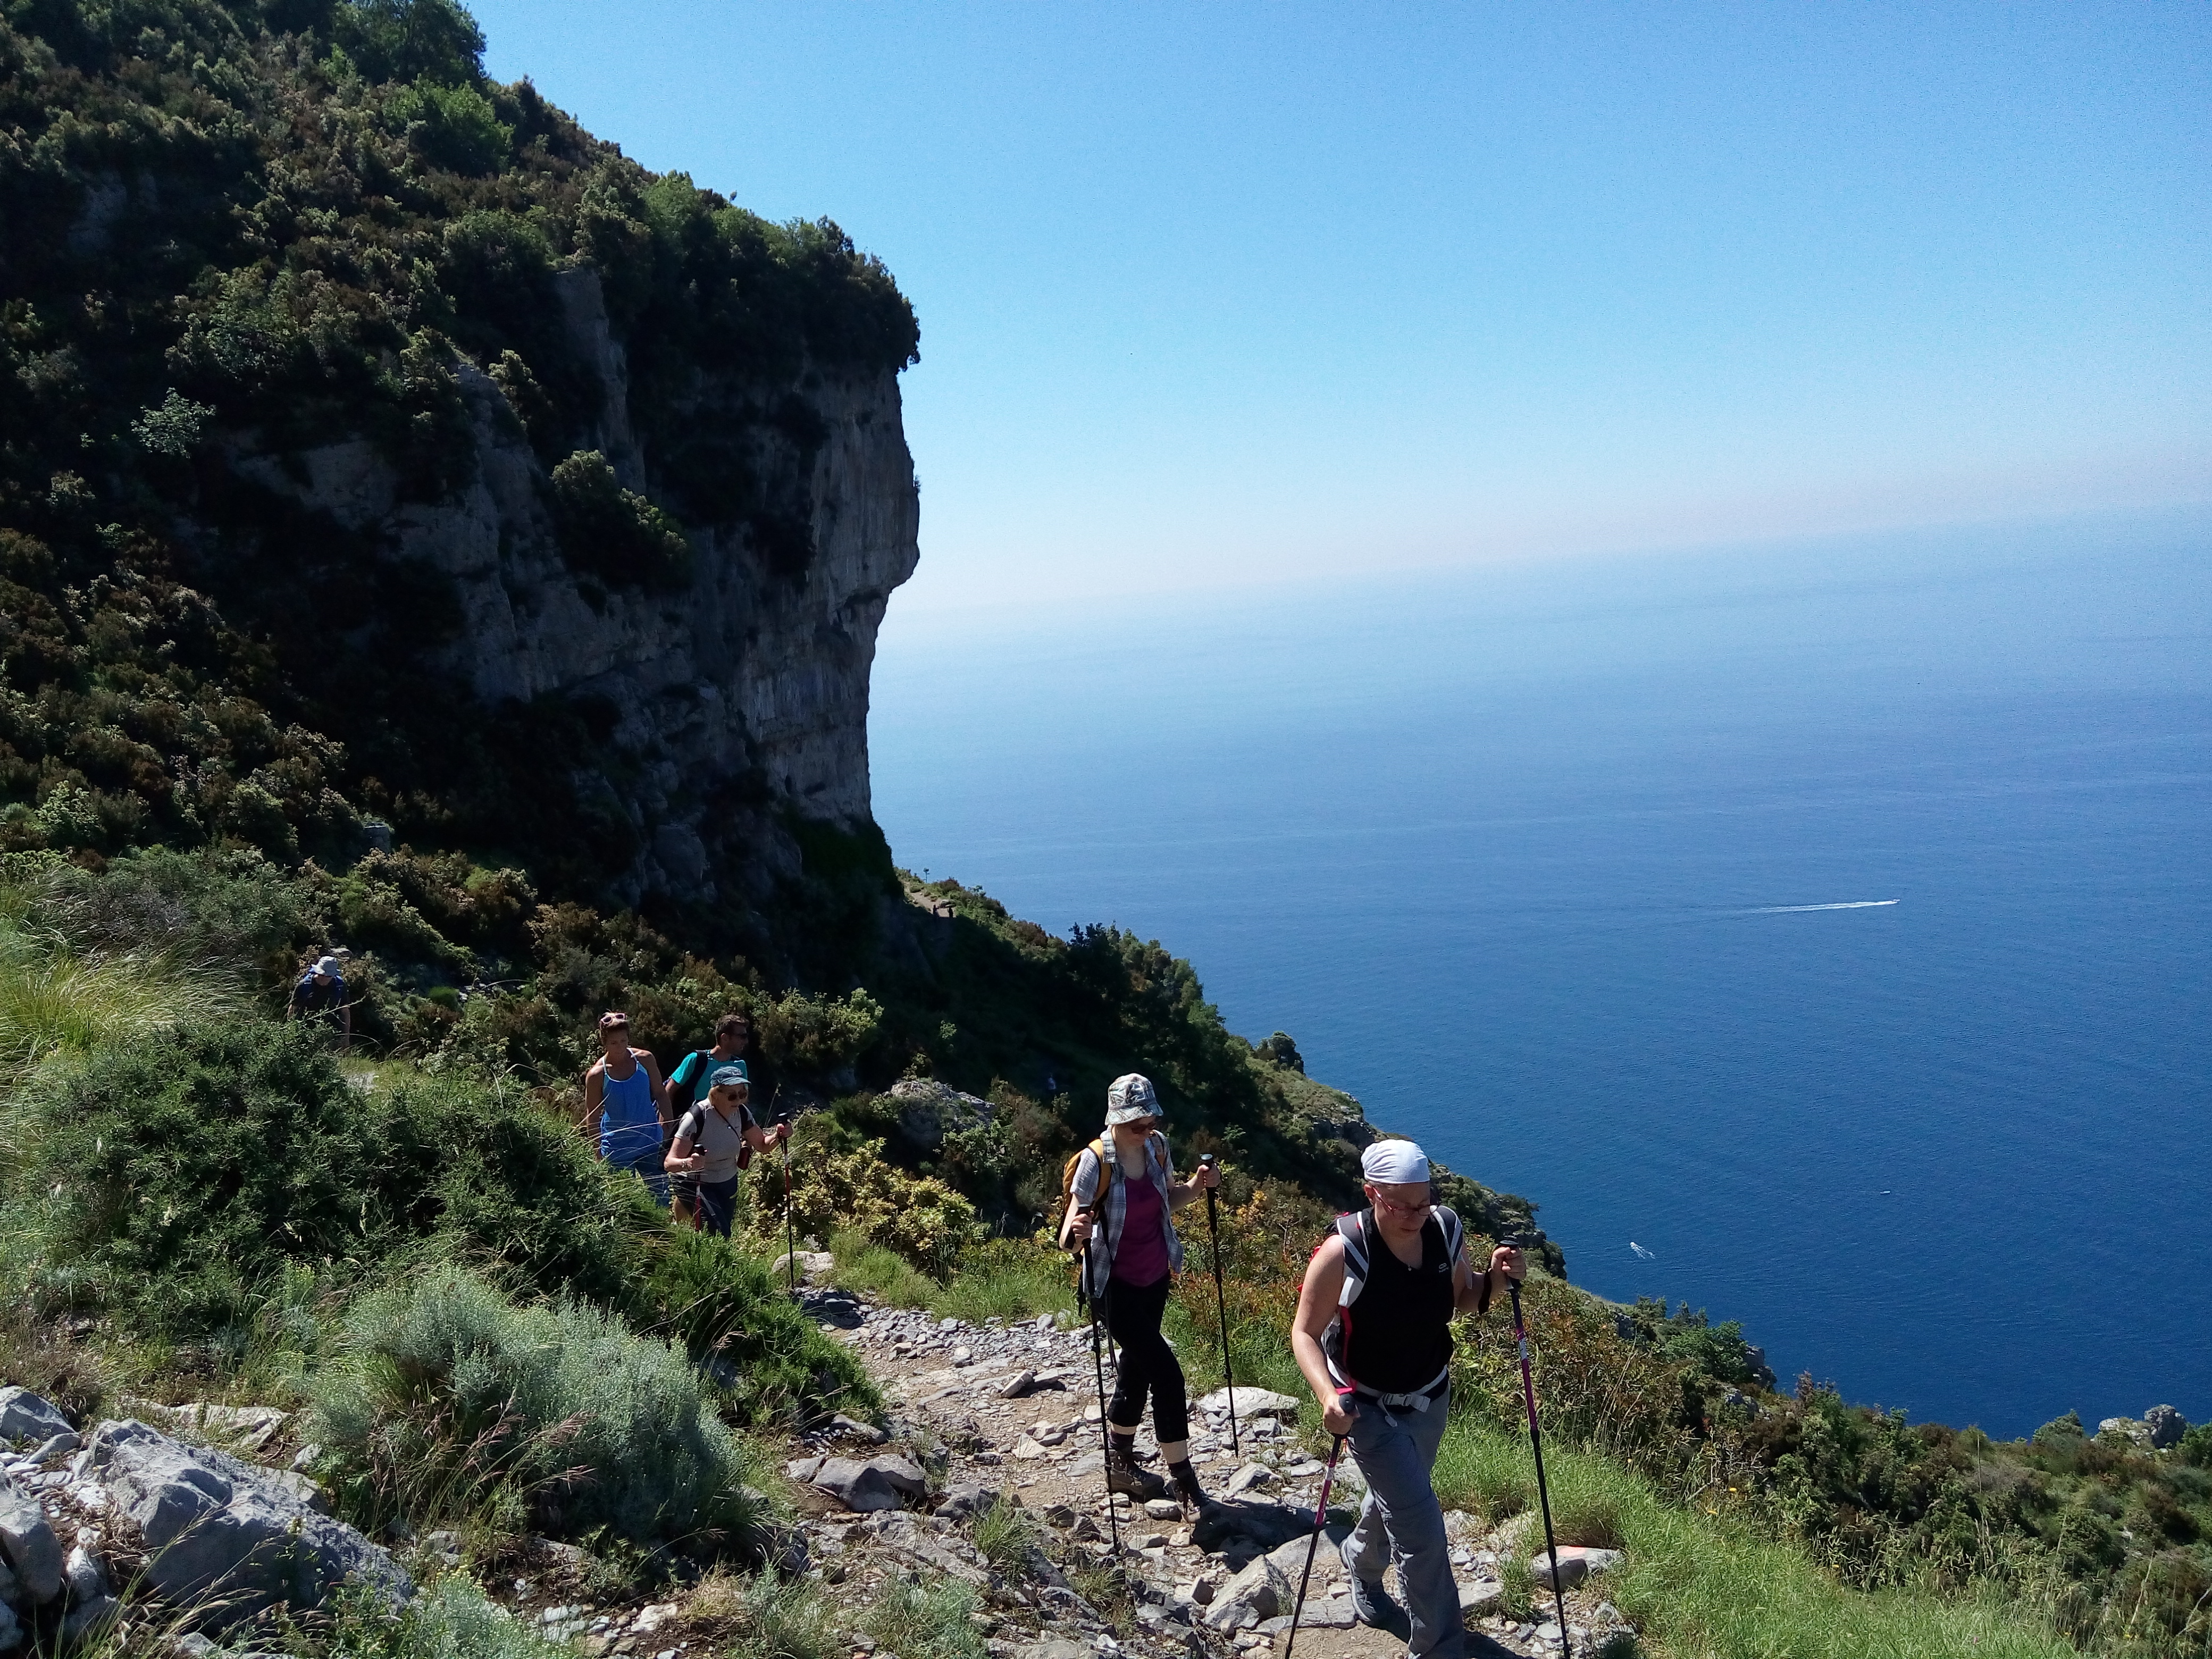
1132	1313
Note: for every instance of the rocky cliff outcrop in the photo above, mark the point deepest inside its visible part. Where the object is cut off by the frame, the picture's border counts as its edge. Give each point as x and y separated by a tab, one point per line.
734	696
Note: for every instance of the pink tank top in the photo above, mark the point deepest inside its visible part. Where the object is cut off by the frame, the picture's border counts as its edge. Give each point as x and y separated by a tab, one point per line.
1141	1258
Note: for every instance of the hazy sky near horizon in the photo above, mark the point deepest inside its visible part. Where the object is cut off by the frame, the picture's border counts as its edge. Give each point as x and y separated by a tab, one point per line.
1212	296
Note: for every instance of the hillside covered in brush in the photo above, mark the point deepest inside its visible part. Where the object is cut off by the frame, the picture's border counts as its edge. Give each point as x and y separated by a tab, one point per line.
414	508
426	533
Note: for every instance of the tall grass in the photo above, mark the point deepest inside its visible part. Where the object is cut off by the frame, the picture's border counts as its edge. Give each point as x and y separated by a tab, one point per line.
879	1272
1007	1278
931	1621
760	1616
54	1000
1707	1585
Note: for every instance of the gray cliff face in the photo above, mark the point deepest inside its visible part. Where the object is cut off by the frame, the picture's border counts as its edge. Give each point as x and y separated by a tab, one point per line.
736	700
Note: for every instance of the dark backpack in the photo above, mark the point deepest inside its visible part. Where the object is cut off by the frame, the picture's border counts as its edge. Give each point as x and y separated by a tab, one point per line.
682	1096
1359	1248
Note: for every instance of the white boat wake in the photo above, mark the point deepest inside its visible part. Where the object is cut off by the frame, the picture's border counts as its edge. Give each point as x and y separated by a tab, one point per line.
1641	1251
1795	909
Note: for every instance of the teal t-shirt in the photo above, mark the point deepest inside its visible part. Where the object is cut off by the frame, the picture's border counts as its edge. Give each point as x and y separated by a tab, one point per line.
690	1080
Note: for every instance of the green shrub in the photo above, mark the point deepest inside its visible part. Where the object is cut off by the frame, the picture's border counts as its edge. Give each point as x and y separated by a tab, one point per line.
403	40
451	127
168	1177
450	1401
2197	1446
451	1619
723	1304
857	1189
818	1034
613	533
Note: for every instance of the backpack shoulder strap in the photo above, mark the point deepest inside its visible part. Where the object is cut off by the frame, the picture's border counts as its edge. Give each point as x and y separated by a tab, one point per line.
1454	1233
1353	1229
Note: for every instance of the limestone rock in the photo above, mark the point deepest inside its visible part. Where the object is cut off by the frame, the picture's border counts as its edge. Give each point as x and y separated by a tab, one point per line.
881	1483
1479	1597
971	1499
85	1578
2126	1428
28	1542
1249	1478
805	1265
929	1110
1227	1526
25	1416
1576	1563
59	1445
1258	1593
1290	1557
2167	1426
1252	1404
213	1526
88	1619
759	668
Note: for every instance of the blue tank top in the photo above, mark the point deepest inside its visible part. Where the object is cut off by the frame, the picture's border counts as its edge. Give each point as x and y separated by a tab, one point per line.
630	1127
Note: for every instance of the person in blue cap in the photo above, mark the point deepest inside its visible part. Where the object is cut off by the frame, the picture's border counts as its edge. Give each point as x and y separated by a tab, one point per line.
716	1139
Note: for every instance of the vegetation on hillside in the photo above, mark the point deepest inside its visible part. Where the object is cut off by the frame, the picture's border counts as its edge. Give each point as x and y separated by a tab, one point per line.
226	744
297	221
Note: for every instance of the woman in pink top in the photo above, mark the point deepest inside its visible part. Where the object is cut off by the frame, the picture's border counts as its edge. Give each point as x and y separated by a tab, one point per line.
1133	1263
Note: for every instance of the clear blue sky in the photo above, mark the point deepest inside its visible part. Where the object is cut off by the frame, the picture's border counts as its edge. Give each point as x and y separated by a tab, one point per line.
1213	294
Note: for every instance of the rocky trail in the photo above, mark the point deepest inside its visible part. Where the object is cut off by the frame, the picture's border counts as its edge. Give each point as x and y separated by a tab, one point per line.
988	1470
1009	1412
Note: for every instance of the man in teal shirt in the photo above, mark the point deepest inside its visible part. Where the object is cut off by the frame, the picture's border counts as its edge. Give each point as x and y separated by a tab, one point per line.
687	1082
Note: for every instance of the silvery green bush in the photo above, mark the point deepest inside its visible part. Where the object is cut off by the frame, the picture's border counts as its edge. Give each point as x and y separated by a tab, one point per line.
451	1401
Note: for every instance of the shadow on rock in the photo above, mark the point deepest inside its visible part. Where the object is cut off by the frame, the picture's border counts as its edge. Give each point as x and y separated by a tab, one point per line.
1238	1530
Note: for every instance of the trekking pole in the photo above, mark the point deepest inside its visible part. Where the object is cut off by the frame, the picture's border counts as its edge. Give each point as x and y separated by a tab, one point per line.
1536	1445
790	1245
1221	1301
1320	1523
1105	1433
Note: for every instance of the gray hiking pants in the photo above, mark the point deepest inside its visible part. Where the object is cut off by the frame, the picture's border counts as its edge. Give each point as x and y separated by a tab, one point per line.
1403	1518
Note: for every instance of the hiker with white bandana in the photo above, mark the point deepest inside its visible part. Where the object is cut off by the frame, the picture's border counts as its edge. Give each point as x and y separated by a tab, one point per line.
1373	1339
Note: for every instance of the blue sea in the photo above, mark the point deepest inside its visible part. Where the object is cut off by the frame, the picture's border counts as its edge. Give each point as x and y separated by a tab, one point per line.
1821	934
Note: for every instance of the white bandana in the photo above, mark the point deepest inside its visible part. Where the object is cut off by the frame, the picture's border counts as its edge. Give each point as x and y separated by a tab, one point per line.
1394	1164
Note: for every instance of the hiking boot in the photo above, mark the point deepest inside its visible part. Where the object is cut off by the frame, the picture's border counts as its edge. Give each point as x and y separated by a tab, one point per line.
1371	1603
1187	1490
1123	1476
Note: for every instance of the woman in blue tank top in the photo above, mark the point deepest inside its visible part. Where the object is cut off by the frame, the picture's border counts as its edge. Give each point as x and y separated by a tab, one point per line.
624	1094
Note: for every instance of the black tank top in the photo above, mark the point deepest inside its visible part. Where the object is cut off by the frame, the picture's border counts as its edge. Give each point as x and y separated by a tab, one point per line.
1397	1332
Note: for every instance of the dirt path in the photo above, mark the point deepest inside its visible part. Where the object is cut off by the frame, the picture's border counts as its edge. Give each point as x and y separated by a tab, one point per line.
1013	1409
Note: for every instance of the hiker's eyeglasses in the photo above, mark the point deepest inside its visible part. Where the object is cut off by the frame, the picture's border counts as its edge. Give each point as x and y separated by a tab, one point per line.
1396	1208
